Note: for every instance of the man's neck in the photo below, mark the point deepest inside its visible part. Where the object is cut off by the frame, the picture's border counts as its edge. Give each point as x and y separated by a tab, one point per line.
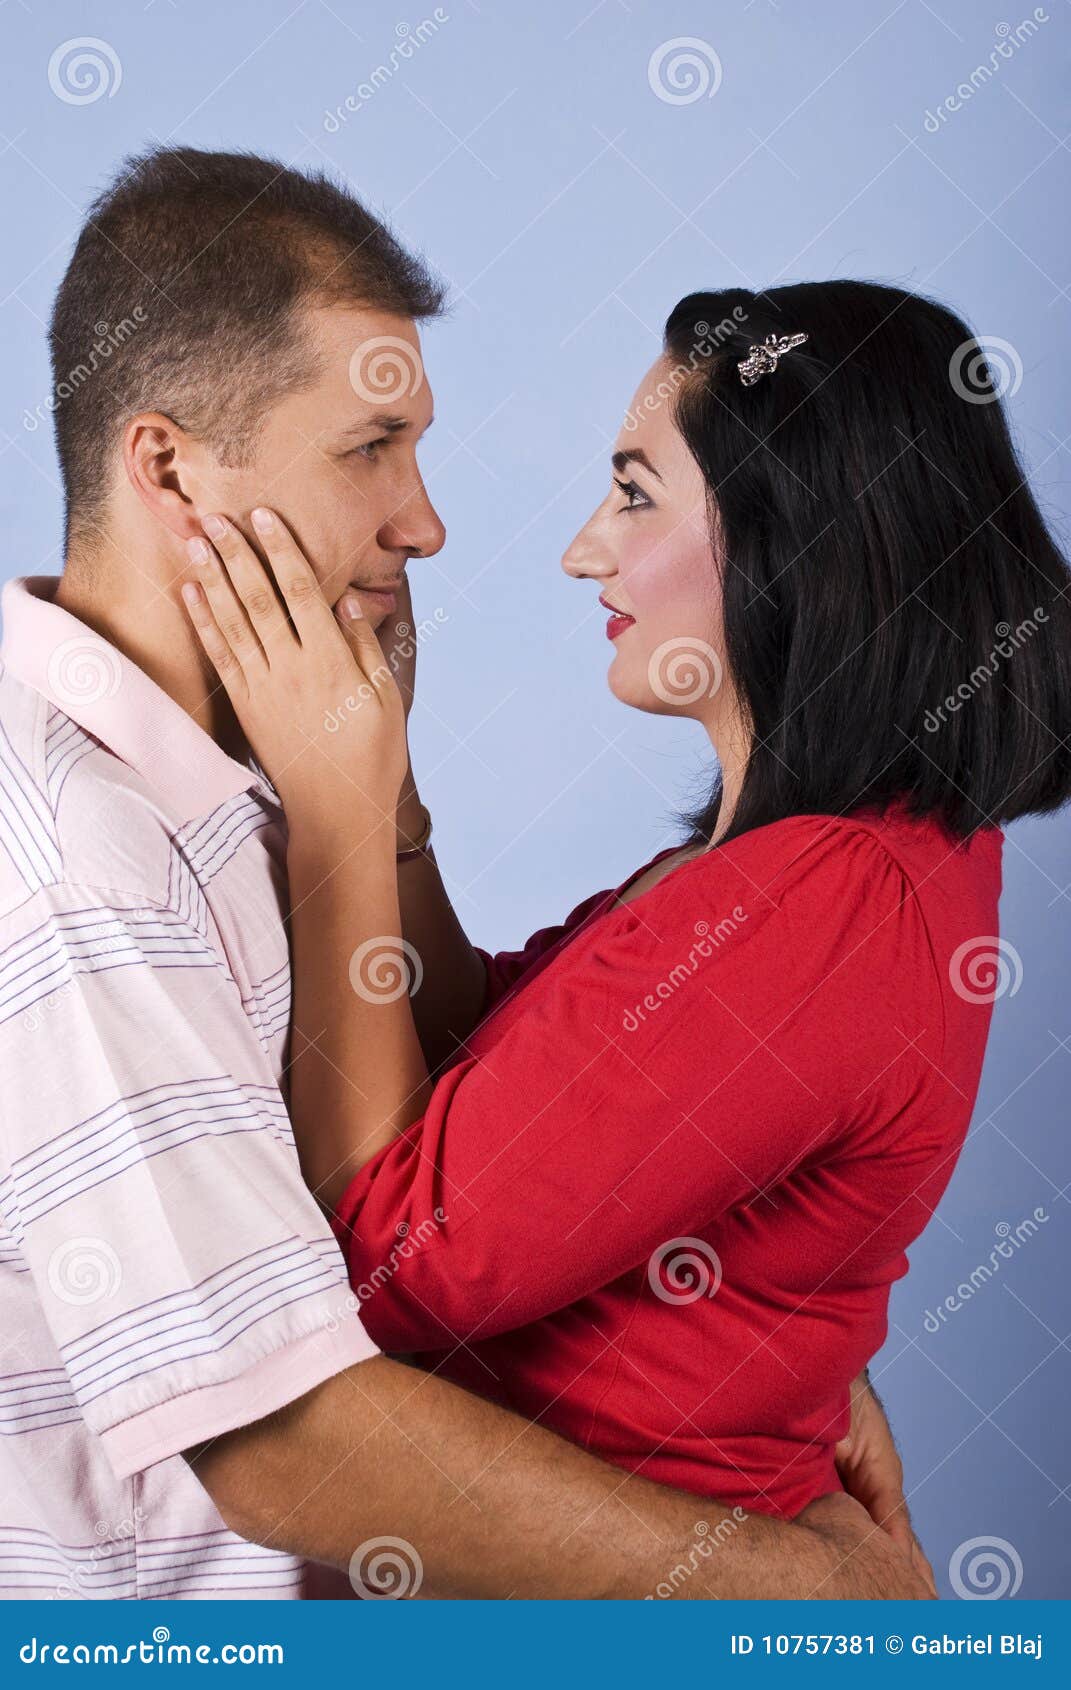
146	622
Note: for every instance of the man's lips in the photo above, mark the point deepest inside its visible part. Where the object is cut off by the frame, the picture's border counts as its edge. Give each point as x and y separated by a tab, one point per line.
384	593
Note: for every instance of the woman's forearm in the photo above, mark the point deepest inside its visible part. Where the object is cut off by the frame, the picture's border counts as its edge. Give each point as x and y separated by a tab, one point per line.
453	982
358	1073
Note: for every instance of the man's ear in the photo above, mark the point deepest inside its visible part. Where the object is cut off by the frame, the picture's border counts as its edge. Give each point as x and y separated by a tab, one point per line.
164	466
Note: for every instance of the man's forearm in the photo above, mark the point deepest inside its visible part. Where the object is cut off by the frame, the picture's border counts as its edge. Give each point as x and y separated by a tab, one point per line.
495	1506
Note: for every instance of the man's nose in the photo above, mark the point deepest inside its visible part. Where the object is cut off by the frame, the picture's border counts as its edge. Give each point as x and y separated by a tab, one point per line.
415	526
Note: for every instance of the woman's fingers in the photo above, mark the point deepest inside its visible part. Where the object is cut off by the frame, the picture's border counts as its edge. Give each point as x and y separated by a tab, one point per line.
252	584
294	576
227	609
217	649
363	643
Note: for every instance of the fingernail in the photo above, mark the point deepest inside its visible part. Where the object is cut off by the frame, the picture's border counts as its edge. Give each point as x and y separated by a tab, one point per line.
214	527
198	549
349	608
263	520
191	593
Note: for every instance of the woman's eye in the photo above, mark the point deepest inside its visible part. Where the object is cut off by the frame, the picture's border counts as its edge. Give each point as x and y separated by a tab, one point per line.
637	498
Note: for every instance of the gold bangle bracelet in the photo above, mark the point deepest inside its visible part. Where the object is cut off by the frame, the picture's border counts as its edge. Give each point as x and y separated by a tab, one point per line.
418	846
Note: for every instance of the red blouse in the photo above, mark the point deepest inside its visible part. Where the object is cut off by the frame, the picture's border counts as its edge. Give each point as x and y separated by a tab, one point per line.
659	1200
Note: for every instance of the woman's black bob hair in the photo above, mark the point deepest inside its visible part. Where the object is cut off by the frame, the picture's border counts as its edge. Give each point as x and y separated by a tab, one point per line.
897	615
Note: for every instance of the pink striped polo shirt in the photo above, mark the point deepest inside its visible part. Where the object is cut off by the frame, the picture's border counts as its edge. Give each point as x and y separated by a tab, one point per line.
164	1274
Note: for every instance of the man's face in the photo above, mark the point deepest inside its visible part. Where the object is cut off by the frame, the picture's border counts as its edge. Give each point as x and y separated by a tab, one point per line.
338	460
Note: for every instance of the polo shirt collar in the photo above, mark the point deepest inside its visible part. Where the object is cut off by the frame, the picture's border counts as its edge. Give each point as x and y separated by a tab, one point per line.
92	682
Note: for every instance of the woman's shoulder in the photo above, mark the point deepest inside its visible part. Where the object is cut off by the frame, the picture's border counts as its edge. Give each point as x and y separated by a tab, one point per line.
807	849
837	881
781	857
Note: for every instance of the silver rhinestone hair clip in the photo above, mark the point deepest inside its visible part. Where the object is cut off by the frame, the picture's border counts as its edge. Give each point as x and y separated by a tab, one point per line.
762	359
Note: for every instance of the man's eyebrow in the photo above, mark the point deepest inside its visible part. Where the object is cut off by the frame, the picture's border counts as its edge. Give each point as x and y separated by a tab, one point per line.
381	422
621	461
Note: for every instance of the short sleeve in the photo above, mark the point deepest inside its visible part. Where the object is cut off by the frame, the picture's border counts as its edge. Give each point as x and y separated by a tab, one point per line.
150	1184
684	1057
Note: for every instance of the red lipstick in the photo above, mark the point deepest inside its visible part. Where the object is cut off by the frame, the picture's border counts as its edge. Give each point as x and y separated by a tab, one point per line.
618	622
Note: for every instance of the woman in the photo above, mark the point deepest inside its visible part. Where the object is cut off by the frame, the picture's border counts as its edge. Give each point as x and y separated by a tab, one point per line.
657	1196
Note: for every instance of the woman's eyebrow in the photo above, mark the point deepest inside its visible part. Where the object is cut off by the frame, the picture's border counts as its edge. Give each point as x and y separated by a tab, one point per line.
621	461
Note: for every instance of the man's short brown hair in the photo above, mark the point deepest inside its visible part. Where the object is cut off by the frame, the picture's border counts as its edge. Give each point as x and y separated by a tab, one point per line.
182	297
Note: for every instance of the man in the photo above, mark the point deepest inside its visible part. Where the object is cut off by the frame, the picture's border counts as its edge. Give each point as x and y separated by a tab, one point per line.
192	1400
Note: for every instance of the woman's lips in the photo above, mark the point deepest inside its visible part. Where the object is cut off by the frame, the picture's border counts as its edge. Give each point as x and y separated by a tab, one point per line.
618	622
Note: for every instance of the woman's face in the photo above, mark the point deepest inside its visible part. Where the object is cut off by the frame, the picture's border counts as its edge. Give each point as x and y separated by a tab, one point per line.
648	546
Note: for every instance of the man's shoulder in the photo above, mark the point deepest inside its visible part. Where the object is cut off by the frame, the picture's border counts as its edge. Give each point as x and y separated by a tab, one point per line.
70	810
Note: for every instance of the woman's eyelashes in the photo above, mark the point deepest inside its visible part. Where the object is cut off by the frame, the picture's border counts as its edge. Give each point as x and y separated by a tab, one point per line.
637	498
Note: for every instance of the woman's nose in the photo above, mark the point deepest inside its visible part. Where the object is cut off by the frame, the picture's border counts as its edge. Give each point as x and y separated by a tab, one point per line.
586	556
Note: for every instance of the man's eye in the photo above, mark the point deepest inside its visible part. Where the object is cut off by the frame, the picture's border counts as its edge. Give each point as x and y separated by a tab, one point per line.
369	452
